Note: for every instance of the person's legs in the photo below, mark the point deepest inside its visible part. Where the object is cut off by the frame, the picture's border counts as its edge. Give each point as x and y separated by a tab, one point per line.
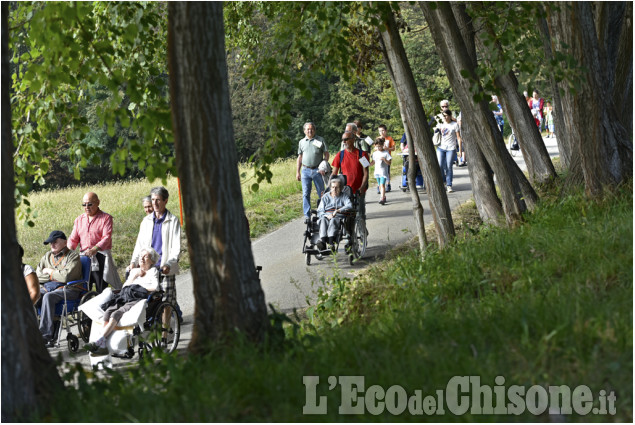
324	224
448	165
47	313
334	226
97	276
442	163
381	182
361	208
306	190
168	284
388	188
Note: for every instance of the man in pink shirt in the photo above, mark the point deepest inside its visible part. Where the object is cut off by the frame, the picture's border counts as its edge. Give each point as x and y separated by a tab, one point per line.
93	232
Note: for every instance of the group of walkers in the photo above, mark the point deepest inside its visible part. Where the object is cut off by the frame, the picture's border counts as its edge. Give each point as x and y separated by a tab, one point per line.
153	265
355	157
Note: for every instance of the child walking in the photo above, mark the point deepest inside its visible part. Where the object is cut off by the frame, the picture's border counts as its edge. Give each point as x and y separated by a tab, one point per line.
381	160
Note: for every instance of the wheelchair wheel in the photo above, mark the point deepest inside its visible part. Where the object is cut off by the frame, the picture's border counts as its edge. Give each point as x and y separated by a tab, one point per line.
359	238
83	322
165	336
73	343
308	259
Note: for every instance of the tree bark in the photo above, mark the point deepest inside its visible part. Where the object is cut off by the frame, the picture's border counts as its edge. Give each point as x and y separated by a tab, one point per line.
227	290
29	376
416	122
417	207
563	138
598	135
453	52
487	203
539	165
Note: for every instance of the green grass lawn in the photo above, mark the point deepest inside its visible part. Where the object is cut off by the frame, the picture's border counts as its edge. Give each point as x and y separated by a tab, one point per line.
548	303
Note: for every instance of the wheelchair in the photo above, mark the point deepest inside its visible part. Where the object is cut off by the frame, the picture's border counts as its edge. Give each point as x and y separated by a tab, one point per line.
68	314
352	230
150	324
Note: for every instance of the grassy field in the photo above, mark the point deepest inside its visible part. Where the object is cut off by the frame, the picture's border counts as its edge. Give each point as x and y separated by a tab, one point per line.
549	303
273	205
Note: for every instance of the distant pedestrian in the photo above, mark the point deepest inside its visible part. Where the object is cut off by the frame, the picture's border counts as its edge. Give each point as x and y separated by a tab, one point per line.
445	151
389	147
382	161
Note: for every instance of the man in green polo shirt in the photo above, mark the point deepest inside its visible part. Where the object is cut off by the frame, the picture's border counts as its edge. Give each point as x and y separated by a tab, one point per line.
311	151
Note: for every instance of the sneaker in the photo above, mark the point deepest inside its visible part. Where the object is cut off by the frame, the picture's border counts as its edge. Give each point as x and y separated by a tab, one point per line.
450	189
92	347
101	351
388	188
49	343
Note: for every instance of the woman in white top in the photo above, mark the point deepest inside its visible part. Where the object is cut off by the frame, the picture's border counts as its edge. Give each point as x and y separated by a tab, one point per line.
450	136
146	276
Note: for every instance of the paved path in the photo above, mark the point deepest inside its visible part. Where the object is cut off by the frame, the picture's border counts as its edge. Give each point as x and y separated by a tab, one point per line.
286	279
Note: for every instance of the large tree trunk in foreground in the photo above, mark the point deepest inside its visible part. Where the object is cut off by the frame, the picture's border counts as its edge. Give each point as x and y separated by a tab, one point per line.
226	286
599	137
453	52
29	375
416	121
487	203
417	208
563	138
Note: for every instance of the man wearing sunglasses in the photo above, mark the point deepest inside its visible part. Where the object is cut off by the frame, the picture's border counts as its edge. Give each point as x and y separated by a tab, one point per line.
92	231
353	163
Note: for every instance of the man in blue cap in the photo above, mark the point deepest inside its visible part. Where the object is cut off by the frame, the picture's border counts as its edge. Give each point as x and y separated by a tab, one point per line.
58	266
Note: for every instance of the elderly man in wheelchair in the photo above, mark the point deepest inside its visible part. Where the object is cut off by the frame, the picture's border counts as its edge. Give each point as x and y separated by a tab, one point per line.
124	311
335	219
332	205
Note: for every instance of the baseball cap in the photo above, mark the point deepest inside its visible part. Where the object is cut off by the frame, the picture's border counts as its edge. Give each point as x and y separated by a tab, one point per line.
55	234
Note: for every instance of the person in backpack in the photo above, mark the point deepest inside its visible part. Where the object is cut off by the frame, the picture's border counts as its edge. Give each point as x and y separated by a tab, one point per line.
354	164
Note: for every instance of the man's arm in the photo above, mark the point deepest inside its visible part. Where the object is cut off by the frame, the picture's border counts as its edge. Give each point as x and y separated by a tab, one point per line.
73	240
41	276
364	185
71	271
106	234
298	167
175	244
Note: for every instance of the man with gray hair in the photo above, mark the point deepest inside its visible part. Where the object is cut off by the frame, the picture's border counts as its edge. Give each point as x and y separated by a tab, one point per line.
311	151
162	231
360	142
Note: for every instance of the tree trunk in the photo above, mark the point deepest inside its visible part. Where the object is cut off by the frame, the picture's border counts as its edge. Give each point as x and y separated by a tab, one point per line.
539	165
453	52
563	138
226	286
417	208
29	375
603	143
416	122
487	203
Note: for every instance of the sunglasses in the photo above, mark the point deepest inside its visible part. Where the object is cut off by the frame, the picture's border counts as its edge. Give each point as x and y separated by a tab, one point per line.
348	138
89	204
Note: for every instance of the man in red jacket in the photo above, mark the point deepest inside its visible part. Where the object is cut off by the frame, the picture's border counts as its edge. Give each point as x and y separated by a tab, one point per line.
354	165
